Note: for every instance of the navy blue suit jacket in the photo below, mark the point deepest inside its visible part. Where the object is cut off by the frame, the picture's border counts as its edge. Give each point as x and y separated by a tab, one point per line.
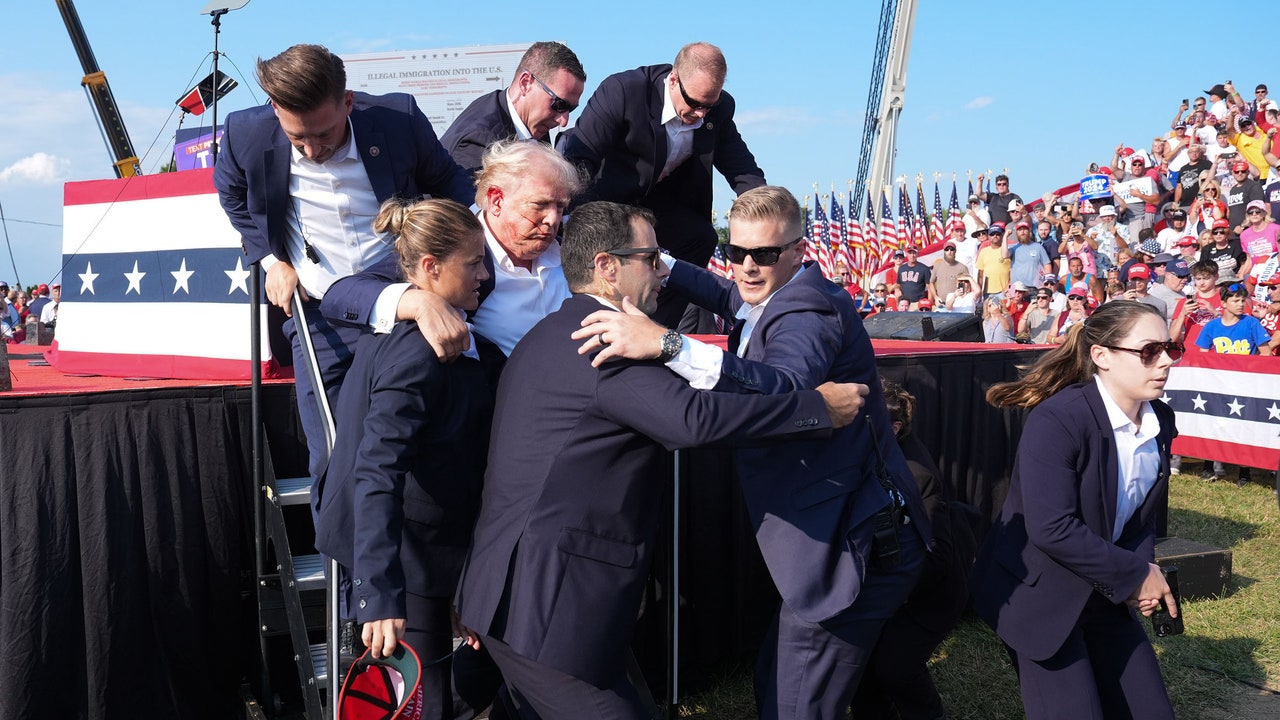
486	120
620	143
1051	549
570	505
812	502
400	152
396	504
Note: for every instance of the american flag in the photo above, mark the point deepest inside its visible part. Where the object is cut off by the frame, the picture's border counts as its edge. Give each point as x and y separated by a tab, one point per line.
920	229
888	230
953	208
820	240
939	229
905	235
839	241
718	264
970	191
1227	408
870	236
155	283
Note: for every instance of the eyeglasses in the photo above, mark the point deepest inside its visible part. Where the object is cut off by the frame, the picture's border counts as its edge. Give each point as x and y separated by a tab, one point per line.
998	184
654	254
1199	105
881	290
1254	211
764	256
558	104
1259	92
1219	232
1075	298
694	104
948	249
1151	352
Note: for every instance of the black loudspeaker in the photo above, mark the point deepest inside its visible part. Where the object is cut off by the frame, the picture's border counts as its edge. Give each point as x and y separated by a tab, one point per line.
910	325
1204	571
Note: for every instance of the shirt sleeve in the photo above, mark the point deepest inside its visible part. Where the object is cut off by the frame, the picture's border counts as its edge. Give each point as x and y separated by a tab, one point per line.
697	362
384	310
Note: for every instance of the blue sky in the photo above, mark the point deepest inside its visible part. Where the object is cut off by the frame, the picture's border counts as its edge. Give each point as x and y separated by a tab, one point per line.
1034	88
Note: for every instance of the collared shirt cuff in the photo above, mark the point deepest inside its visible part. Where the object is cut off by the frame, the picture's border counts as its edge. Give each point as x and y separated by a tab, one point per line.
384	310
697	362
266	262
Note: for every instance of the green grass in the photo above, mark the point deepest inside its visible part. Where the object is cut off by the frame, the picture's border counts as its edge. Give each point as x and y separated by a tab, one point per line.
1231	645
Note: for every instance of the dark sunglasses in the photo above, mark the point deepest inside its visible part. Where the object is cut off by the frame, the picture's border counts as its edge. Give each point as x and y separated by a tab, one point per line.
1219	232
1150	352
654	253
558	104
694	104
764	256
1254	211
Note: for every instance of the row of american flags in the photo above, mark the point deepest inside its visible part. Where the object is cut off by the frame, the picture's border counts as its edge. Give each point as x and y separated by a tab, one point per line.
841	235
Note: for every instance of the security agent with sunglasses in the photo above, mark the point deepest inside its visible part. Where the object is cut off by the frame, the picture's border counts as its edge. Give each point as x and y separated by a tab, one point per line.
569	513
651	136
840	522
545	90
1070	563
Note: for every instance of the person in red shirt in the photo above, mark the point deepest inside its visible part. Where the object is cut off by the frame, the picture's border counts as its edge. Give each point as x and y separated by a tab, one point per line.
1192	313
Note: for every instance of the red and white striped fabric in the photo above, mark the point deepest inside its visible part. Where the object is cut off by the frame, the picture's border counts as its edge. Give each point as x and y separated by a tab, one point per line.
154	282
1228	408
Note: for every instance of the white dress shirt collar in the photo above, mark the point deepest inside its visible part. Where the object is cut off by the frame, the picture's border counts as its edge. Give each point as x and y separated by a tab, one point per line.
522	132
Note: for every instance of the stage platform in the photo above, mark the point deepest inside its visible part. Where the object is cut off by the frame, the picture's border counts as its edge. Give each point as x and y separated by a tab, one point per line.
126	538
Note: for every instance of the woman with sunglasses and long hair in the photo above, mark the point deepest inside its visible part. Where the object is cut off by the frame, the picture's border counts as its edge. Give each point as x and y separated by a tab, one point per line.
1070	564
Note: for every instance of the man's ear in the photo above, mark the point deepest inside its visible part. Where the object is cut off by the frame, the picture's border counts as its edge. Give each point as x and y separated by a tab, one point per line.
495	198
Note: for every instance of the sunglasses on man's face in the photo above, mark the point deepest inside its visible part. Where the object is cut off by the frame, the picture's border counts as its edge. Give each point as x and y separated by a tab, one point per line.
654	254
693	104
763	256
1151	352
558	104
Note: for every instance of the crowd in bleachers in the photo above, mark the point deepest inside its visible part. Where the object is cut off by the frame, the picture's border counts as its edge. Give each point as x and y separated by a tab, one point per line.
1185	225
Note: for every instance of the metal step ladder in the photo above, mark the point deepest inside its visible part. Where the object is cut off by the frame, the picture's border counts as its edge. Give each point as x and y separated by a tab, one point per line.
295	603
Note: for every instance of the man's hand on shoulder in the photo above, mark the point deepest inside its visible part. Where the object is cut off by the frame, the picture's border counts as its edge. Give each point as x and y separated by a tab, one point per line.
281	280
443	326
844	400
628	334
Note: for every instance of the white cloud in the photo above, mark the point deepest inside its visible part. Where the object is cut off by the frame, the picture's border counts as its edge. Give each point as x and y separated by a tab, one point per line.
40	168
979	102
785	120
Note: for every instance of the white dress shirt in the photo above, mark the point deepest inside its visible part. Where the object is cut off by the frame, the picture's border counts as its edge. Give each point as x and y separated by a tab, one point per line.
520	297
679	135
1138	456
332	207
522	132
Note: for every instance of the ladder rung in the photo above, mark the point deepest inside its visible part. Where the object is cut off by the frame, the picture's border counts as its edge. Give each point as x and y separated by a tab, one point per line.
308	571
320	662
294	491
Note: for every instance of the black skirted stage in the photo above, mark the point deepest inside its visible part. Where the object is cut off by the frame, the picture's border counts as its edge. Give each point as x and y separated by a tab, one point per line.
126	531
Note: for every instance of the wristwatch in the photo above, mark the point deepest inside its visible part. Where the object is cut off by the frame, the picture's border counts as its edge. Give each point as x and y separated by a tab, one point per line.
672	341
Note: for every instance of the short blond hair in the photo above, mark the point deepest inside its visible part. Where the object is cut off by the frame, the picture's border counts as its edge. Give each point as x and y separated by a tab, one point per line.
769	202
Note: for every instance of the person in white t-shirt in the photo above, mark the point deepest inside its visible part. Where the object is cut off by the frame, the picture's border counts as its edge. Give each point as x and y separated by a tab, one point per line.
1177	229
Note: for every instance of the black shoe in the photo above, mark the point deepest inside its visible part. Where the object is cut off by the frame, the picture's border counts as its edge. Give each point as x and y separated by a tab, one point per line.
1209	475
1244	477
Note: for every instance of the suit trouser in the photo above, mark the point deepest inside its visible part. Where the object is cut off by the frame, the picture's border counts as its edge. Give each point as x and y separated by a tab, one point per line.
809	671
1106	669
539	692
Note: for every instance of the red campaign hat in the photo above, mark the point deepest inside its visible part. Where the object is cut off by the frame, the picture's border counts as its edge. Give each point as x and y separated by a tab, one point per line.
386	688
1140	271
1239	165
1221	223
